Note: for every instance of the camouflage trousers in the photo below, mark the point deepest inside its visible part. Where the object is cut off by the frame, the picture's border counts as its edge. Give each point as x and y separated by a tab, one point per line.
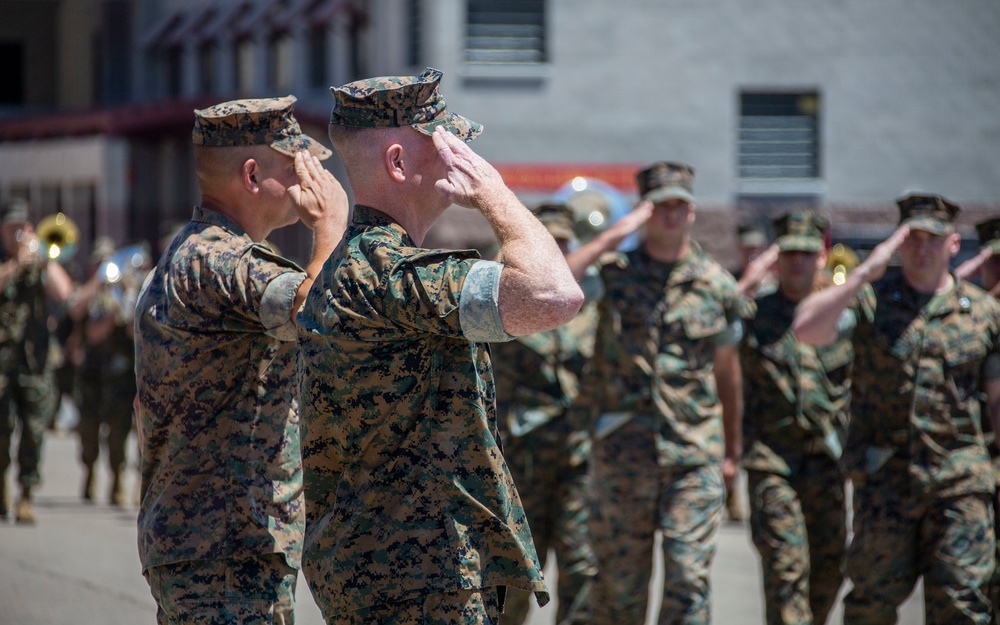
549	467
633	498
238	591
101	402
900	536
477	606
798	525
31	400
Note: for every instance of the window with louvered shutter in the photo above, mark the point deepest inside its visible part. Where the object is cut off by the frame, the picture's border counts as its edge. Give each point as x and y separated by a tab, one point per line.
779	136
505	31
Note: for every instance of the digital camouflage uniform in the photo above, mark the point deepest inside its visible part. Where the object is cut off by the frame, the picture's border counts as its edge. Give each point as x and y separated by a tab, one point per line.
105	388
989	236
408	493
658	439
222	515
537	379
795	413
794	422
215	367
28	356
915	452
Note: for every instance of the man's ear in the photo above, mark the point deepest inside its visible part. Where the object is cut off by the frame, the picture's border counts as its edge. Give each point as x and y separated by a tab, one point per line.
249	174
394	162
955	245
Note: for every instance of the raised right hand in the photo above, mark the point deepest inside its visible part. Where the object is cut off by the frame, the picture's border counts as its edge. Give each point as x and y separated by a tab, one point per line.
318	195
875	265
969	269
469	180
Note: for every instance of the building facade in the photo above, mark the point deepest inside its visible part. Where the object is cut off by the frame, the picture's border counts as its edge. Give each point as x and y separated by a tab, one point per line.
840	106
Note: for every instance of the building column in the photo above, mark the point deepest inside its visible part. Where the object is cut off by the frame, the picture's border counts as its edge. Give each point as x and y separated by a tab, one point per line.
338	49
225	66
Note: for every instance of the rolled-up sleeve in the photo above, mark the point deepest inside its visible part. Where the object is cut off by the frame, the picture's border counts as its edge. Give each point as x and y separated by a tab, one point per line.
276	304
479	311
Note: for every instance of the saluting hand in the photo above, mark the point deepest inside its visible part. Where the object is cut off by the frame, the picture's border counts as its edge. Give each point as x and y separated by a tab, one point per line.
875	265
969	269
319	195
469	181
758	269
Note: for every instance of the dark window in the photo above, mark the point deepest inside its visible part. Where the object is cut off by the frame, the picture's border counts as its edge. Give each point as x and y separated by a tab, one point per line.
206	68
779	135
12	70
317	57
505	31
175	71
414	40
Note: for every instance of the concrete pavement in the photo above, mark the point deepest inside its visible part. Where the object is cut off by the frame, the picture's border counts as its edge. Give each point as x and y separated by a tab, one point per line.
78	565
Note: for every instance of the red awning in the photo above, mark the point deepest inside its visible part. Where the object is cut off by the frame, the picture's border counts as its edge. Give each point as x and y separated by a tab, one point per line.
152	119
135	119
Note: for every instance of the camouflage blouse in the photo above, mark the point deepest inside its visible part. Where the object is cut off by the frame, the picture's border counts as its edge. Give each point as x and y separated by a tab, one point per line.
654	349
796	396
917	393
25	341
215	372
406	489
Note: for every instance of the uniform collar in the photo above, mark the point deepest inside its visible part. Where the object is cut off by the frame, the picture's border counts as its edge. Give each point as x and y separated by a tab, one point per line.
215	218
955	300
687	269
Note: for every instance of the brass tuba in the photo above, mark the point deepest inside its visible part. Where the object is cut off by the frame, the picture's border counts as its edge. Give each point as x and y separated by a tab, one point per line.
125	271
57	236
840	260
595	205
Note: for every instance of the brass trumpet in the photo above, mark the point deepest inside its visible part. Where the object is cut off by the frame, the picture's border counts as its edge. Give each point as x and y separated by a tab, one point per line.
839	261
57	237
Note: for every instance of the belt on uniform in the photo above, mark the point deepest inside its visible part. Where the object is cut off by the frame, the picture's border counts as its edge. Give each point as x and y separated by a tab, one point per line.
608	422
814	447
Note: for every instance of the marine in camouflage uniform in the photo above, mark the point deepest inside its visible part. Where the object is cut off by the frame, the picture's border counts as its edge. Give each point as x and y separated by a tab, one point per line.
665	352
221	518
927	352
537	380
796	401
105	384
412	515
986	265
28	353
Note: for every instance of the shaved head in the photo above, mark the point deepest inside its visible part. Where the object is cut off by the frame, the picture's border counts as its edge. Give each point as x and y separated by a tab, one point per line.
215	165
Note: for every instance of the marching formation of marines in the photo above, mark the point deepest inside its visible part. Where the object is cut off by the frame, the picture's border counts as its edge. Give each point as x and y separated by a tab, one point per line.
415	429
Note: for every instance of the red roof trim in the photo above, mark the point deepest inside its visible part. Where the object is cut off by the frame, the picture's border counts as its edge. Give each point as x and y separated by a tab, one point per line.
165	118
150	118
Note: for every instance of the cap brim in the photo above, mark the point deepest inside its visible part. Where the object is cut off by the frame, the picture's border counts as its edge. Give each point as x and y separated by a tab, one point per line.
561	232
292	145
795	243
462	127
928	224
662	194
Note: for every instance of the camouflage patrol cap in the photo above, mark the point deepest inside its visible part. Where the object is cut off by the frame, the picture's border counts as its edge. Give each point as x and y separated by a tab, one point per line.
14	211
267	121
989	234
928	211
103	248
557	218
751	236
800	231
397	101
666	181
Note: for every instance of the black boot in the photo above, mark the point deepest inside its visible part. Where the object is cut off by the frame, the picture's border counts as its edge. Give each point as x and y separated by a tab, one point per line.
88	485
